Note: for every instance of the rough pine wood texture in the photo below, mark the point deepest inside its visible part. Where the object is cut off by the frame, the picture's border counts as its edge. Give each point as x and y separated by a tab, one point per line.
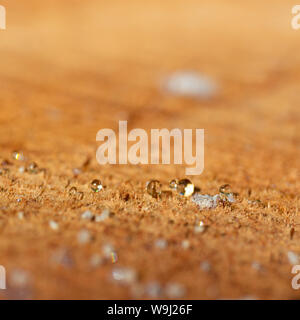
70	68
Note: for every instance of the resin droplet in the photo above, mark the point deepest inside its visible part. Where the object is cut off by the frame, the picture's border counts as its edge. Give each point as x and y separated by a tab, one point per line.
96	185
226	194
18	155
32	168
200	227
225	188
153	188
173	184
185	187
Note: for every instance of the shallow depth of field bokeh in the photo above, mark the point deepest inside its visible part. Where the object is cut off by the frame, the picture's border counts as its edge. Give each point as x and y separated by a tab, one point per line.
71	68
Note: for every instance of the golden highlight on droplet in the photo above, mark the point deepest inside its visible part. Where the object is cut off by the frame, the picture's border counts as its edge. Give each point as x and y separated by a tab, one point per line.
96	185
185	187
18	155
173	184
114	257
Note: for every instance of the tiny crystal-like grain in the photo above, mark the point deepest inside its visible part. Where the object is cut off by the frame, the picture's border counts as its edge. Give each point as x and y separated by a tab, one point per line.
200	227
18	155
293	258
185	187
174	290
226	195
256	265
20	215
173	184
53	225
96	260
205	201
96	185
32	168
110	253
185	244
114	257
248	297
161	244
153	289
124	275
87	215
137	290
76	172
19	278
21	169
190	83
83	236
153	188
107	249
63	256
205	266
